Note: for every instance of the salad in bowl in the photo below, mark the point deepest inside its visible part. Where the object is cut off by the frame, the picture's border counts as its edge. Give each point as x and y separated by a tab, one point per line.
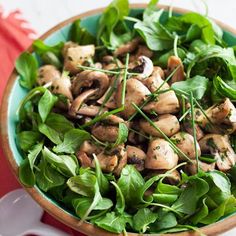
132	127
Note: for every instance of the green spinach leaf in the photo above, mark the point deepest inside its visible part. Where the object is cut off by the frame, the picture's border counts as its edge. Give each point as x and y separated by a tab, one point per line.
72	141
197	85
46	103
27	66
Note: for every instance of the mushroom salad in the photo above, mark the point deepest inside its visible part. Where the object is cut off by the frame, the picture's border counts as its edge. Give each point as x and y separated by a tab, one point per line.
132	128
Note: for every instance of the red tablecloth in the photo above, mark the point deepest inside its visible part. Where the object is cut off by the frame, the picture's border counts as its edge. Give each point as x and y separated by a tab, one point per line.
13	40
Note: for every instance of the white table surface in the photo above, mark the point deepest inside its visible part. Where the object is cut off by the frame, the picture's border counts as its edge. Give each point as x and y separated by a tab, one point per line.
44	14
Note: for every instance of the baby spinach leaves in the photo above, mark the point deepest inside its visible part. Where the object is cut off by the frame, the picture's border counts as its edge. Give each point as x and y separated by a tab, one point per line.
27	66
197	85
72	140
130	183
45	104
80	35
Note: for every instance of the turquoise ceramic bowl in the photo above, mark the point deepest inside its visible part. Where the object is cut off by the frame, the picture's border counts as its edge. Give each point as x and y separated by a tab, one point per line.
14	93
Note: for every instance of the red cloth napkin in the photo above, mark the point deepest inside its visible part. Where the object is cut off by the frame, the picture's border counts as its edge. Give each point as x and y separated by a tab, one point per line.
13	40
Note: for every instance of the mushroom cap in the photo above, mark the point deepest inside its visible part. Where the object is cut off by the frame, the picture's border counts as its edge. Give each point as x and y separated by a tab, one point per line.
136	93
188	128
168	124
154	81
185	142
77	55
62	86
166	103
90	148
219	146
114	161
84	160
192	167
174	62
127	48
105	133
223	115
160	155
47	74
90	79
136	156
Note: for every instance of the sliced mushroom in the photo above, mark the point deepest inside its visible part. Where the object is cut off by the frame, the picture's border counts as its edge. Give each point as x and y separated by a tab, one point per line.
80	100
156	80
78	55
219	146
168	124
68	45
114	161
111	63
90	148
143	65
62	86
48	74
222	115
188	128
160	155
127	48
173	63
166	102
90	79
136	93
143	50
84	160
185	142
113	120
192	167
105	133
111	103
90	110
136	157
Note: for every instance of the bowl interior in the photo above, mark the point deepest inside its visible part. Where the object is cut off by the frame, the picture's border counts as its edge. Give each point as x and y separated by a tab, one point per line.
18	93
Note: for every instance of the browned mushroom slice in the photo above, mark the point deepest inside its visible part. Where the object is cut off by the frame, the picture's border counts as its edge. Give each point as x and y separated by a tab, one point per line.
89	148
160	155
127	48
188	127
84	160
122	159
75	56
90	110
111	103
173	63
192	167
144	51
166	102
90	79
111	63
107	162
219	146
105	133
136	93
114	161
62	86
47	74
142	65
113	120
136	157
168	124
185	142
80	100
222	115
